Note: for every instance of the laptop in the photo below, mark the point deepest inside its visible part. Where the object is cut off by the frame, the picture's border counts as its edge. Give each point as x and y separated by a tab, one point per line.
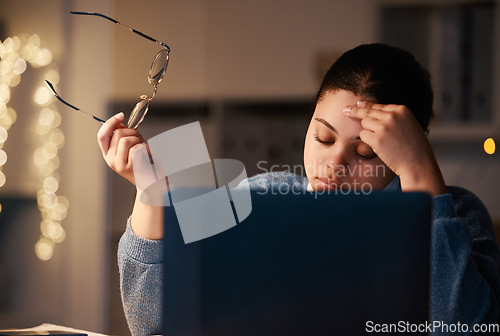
304	264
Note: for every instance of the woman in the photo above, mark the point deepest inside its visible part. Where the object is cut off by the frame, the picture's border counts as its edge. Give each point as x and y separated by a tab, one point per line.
368	131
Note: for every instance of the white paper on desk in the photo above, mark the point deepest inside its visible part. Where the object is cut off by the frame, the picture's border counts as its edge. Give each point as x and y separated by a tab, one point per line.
49	326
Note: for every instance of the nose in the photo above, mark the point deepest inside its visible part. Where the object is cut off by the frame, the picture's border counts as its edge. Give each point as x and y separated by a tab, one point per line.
334	159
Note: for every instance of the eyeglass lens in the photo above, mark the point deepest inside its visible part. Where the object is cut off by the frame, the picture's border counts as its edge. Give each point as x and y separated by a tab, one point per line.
156	74
158	67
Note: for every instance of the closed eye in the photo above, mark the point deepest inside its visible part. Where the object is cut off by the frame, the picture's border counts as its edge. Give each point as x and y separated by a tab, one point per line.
322	141
365	152
366	157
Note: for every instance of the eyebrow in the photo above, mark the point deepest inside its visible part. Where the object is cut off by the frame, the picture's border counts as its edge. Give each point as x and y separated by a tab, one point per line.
331	128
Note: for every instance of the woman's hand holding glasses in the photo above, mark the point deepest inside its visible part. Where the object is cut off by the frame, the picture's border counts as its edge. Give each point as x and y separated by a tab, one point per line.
117	144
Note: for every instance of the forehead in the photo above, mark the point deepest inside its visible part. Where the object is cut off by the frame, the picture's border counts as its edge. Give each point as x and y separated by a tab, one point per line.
330	109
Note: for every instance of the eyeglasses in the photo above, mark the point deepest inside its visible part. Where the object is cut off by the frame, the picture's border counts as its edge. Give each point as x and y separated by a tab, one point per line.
156	74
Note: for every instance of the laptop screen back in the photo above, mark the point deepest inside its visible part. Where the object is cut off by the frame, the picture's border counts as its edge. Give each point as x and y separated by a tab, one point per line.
303	265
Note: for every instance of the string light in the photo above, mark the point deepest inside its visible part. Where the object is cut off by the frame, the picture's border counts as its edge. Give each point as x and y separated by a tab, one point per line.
15	54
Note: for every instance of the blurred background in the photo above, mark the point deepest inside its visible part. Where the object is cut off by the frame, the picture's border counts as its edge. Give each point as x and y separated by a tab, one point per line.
247	70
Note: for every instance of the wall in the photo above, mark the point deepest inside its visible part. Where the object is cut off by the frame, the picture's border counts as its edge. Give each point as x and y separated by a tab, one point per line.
224	49
87	81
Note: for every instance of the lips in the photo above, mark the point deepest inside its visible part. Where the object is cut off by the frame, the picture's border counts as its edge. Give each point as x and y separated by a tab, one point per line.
326	183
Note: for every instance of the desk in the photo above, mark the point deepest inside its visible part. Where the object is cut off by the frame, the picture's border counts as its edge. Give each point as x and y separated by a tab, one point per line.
48	326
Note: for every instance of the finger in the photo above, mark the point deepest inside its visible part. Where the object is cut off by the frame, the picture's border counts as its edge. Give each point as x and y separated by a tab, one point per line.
370	138
117	137
361	109
380	107
371	124
105	133
123	156
355	112
362	112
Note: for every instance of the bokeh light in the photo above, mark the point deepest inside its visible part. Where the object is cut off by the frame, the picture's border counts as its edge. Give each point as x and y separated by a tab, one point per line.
3	157
53	76
9	45
50	184
5	67
3	135
2	179
489	146
16	53
46	117
19	66
12	114
44	249
34	40
14	80
54	230
50	150
43	96
4	93
3	110
43	57
46	200
56	136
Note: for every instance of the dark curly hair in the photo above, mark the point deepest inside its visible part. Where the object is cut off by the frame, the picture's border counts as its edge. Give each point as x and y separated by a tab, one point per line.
385	75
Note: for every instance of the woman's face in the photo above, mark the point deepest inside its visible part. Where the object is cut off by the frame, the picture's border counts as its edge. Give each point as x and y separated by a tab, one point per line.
334	155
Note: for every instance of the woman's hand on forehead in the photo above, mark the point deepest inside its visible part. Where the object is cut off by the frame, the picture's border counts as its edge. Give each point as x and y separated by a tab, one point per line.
396	137
392	131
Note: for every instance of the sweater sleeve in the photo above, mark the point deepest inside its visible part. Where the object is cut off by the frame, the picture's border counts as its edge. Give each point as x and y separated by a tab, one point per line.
465	284
139	262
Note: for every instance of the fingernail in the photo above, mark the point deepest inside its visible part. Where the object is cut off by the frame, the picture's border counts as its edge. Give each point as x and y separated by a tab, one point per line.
361	103
119	116
347	110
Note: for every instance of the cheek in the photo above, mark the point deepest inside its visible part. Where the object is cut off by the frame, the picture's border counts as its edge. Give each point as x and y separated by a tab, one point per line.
378	175
309	155
312	155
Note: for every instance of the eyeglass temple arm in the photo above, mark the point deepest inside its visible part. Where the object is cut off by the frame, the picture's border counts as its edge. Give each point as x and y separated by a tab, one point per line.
121	24
51	87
